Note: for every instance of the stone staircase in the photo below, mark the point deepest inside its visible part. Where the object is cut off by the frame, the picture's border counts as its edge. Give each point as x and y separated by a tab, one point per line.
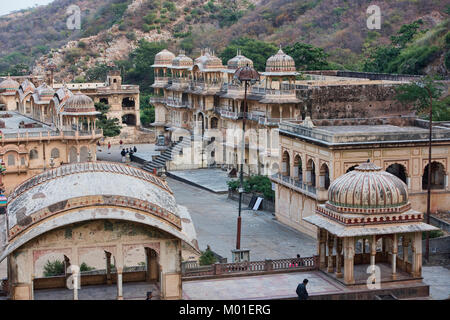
159	162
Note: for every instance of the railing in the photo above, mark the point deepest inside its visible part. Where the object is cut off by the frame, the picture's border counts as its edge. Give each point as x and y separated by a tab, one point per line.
54	135
157	99
296	183
192	269
267	91
177	103
229	114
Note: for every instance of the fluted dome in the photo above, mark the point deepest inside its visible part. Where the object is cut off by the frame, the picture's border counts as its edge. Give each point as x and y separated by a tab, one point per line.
239	61
164	58
79	103
9	85
280	62
367	189
182	61
208	60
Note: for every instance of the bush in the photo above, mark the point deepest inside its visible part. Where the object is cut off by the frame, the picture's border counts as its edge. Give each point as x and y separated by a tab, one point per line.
207	257
433	234
169	6
54	268
255	184
84	267
131	36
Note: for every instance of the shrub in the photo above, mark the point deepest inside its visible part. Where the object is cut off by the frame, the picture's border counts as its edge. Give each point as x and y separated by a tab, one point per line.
54	268
84	267
207	257
131	36
169	6
433	234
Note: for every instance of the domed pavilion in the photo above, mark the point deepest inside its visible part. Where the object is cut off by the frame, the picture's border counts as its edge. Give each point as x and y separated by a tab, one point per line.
366	219
78	113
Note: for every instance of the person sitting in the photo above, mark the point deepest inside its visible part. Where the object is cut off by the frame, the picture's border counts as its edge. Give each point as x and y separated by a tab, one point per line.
149	295
301	290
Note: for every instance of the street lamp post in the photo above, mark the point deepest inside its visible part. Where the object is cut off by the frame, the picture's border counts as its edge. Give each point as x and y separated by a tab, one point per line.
243	74
427	243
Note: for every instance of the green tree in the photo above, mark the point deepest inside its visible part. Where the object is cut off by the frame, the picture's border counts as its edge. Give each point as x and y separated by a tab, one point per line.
207	257
256	50
421	93
53	268
84	267
110	126
406	33
307	57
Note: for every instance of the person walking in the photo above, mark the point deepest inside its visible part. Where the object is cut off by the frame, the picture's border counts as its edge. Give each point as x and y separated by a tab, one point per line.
149	295
301	290
120	142
134	149
123	153
109	147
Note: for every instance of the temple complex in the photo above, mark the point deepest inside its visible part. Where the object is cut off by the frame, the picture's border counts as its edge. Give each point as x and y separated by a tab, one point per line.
199	101
317	152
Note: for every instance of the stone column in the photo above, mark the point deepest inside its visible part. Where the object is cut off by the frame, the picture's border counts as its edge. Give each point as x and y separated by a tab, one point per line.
405	244
373	251
349	253
394	256
322	237
108	267
417	254
338	257
330	252
119	284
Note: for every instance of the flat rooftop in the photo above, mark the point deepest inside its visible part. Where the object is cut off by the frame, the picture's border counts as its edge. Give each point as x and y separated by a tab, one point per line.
12	123
345	134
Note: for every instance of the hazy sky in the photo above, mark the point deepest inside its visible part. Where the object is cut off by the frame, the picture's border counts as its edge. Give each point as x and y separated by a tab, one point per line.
7	6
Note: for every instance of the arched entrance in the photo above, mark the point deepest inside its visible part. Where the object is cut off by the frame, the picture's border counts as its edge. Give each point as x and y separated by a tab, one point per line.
398	170
286	164
298	168
324	178
311	173
437	176
129	119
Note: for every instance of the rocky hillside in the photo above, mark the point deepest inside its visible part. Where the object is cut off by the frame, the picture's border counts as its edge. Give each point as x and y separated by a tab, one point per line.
111	29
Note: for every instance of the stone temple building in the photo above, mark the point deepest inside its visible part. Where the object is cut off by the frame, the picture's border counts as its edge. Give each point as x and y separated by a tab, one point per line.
314	153
107	210
47	129
366	217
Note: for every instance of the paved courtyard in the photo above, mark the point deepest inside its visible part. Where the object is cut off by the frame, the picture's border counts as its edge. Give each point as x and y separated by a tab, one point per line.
215	219
214	180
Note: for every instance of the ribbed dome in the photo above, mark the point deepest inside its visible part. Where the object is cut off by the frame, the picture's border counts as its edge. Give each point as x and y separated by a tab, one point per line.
208	60
239	61
45	92
79	103
182	61
9	84
367	189
280	62
164	57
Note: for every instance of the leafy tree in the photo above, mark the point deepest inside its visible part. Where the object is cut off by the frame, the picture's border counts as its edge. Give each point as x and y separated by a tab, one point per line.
406	33
307	57
138	68
110	126
147	111
98	73
421	94
53	268
256	50
207	257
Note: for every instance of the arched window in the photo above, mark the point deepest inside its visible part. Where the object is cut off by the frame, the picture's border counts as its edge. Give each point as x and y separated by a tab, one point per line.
34	154
286	164
73	155
55	153
311	172
298	167
11	160
84	154
437	176
324	178
397	170
214	123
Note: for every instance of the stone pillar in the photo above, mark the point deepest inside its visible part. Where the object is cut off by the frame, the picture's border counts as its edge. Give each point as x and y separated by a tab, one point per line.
108	267
119	284
394	257
338	257
330	252
322	237
417	254
373	251
405	244
349	253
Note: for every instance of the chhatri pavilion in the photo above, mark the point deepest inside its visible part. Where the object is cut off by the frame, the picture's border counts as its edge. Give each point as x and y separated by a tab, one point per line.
368	208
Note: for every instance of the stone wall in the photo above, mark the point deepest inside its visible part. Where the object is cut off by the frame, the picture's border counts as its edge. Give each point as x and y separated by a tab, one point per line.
352	101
